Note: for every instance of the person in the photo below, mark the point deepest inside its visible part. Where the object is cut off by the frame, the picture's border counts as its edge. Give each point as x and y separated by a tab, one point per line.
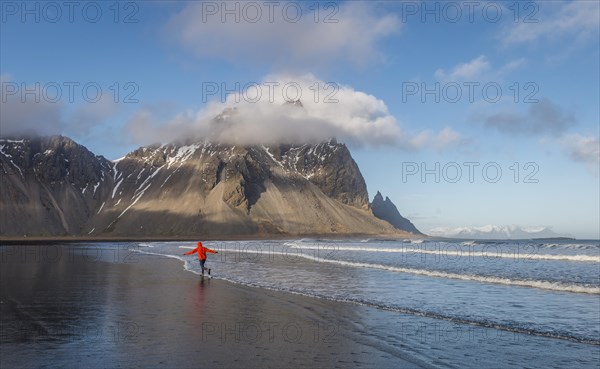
201	250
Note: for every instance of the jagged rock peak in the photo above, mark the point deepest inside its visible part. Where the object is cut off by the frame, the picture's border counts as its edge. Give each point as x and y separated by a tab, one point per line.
386	210
296	103
226	115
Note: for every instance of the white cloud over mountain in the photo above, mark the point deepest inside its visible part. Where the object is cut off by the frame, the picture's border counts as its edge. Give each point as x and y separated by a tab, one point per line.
331	110
36	112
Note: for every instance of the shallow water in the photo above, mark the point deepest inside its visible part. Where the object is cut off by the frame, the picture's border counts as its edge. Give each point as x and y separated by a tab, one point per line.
548	289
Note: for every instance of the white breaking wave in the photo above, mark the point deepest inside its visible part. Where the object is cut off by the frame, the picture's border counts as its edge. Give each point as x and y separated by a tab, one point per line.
186	264
159	254
546	285
458	253
570	246
408	310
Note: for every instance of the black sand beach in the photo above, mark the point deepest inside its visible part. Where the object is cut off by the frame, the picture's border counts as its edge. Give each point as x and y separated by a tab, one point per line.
61	308
97	306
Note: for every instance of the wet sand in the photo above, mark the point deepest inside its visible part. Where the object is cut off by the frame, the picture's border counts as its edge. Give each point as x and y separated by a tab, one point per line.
62	308
96	306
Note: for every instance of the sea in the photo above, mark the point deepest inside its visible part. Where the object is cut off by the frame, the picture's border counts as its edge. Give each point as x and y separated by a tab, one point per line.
546	288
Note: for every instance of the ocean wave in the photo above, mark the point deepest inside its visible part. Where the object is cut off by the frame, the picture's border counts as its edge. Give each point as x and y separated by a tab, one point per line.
459	253
516	328
186	264
159	254
581	246
541	284
513	328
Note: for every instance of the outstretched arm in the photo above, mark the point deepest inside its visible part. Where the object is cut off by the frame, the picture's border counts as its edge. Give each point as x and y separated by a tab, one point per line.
191	251
211	251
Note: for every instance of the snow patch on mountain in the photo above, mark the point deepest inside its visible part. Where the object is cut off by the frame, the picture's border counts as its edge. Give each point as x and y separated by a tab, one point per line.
496	232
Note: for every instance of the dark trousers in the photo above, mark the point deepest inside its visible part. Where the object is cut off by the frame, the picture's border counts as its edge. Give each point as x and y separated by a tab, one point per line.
202	261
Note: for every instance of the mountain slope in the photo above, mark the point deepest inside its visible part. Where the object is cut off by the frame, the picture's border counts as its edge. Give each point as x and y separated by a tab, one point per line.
53	186
224	189
50	185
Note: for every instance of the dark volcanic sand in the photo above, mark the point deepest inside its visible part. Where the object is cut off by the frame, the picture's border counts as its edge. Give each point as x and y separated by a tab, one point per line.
99	306
113	309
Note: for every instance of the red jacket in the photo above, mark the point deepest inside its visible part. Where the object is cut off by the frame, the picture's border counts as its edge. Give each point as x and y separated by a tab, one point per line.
201	250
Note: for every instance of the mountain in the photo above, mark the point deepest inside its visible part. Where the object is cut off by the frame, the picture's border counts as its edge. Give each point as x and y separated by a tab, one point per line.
386	210
494	232
50	186
53	186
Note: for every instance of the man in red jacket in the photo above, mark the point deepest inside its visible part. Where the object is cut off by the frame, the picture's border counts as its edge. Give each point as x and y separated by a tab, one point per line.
201	250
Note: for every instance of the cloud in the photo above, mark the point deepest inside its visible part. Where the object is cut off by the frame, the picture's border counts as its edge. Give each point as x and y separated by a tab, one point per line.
351	116
443	140
577	20
465	71
478	69
542	118
511	66
272	38
585	149
26	115
87	116
38	113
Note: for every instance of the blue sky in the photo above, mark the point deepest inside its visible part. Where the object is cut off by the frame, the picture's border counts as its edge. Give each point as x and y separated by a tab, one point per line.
157	55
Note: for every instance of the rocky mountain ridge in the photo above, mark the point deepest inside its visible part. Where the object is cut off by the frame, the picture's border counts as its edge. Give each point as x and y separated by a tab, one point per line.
53	186
498	232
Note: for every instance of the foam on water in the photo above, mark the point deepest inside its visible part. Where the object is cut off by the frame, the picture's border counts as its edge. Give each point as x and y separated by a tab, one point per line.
541	284
581	246
467	277
358	300
461	253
